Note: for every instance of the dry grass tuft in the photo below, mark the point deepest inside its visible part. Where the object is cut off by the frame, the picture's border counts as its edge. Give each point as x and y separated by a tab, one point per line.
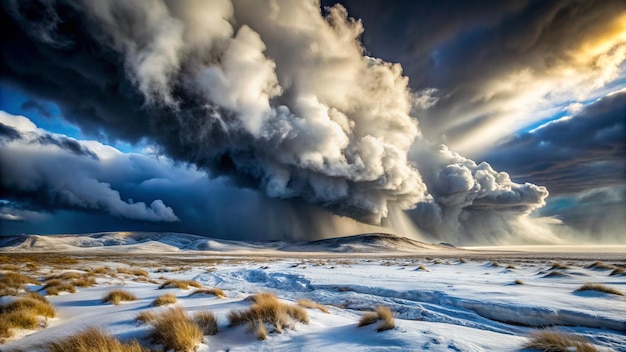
175	331
618	272
258	327
422	268
559	266
118	296
164	300
84	281
368	318
383	313
145	316
94	340
217	292
268	309
553	341
519	282
11	283
36	306
206	321
600	288
182	284
135	272
511	266
24	313
307	303
600	266
555	273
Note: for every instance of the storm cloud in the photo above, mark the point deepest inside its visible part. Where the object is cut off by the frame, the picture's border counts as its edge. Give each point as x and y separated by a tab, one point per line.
573	154
496	67
280	97
45	172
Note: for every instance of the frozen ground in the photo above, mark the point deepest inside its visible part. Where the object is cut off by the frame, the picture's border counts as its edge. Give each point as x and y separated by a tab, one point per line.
441	301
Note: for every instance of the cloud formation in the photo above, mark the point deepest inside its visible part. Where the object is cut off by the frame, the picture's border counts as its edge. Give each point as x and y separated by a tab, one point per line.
50	172
498	66
284	100
274	96
573	154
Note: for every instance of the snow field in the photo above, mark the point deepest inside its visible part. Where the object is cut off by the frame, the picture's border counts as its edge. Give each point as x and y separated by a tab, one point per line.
456	305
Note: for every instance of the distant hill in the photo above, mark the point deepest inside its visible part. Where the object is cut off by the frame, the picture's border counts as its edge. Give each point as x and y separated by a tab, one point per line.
160	242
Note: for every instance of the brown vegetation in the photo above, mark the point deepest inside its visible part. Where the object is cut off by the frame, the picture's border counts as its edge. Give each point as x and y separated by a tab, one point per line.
618	272
164	300
94	340
600	288
24	313
268	309
307	303
118	296
12	283
145	316
600	266
175	331
385	314
182	284
206	321
553	341
219	293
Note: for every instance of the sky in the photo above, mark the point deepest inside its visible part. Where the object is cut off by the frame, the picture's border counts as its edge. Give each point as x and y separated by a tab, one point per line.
487	122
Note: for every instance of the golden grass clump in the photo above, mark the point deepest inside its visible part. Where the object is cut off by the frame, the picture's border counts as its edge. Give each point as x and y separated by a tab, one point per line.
145	316
135	272
600	266
24	313
307	303
259	330
600	288
11	283
422	268
164	300
383	313
558	266
268	309
618	272
519	282
182	284
94	340
206	321
118	296
511	266
84	281
554	341
55	286
217	292
175	331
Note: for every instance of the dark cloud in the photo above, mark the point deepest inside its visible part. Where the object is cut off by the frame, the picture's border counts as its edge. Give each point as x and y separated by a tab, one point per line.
574	154
64	143
277	98
45	172
43	109
276	121
7	133
496	63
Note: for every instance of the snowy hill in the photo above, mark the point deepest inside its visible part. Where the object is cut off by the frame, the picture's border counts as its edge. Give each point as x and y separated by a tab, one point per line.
176	242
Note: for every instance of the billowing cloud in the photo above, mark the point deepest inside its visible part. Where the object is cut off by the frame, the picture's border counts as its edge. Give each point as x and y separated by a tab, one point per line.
49	172
284	99
275	96
573	154
471	201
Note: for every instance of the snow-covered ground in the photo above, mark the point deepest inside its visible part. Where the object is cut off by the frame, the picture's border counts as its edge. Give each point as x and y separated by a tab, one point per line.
441	301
